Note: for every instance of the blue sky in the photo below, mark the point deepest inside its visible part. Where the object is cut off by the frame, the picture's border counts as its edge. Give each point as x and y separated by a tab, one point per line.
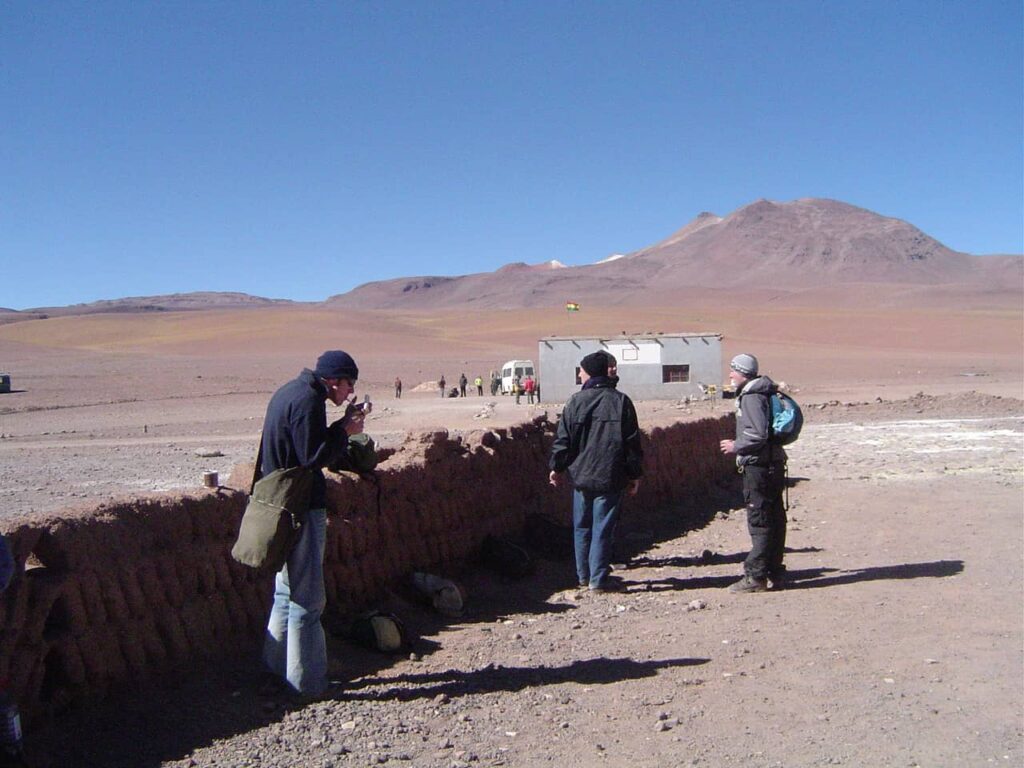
296	150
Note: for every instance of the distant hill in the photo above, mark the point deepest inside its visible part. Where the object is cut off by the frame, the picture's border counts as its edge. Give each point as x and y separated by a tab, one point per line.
788	247
174	302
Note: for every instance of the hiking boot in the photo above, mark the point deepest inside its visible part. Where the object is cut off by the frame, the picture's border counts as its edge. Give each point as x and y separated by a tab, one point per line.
610	584
747	584
777	583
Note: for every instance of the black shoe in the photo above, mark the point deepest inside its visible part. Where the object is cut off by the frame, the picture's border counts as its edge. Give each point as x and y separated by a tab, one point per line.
610	584
777	583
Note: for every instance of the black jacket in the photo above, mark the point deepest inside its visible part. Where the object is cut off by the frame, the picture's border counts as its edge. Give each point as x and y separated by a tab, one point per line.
295	432
598	439
753	412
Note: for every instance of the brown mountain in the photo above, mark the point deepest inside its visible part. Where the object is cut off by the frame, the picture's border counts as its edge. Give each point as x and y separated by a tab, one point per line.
795	247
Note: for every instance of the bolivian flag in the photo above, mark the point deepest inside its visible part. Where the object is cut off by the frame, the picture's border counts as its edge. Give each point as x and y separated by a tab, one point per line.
572	306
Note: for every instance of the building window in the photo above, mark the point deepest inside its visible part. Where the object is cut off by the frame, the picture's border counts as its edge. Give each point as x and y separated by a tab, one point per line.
674	374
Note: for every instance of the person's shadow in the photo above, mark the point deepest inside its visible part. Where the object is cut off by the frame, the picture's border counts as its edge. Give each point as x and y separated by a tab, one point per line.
816	578
810	578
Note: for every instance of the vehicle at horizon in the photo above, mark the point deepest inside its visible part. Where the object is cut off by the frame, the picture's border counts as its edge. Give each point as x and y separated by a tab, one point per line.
512	369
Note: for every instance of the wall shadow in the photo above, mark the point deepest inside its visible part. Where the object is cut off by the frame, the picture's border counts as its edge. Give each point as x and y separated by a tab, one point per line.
496	678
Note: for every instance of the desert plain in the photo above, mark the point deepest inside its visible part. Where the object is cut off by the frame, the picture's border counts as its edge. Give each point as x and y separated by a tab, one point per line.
900	642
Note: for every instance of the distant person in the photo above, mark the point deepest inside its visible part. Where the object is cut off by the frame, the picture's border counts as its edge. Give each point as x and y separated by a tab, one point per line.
463	383
479	382
295	434
763	465
597	445
398	388
517	388
529	386
495	384
442	384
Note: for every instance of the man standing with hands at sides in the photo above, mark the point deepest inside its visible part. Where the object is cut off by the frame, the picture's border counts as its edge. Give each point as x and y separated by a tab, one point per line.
598	446
763	466
295	434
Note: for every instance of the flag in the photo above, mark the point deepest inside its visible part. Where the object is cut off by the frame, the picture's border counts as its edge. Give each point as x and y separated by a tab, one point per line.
572	306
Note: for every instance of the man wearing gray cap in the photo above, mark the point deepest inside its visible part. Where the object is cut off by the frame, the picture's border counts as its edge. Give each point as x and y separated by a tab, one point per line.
295	434
762	463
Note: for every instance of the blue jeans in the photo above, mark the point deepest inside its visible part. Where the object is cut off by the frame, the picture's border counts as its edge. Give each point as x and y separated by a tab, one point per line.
594	516
295	647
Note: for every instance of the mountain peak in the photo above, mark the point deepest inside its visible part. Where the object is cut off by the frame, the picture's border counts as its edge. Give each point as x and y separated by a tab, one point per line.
785	247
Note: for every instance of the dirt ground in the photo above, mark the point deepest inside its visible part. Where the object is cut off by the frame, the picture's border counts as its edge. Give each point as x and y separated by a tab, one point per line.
899	643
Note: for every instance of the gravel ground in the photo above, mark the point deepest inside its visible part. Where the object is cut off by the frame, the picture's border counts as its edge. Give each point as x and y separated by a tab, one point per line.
899	643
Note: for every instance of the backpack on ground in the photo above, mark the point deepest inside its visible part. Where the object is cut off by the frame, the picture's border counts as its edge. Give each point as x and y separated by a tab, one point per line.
786	418
447	597
379	631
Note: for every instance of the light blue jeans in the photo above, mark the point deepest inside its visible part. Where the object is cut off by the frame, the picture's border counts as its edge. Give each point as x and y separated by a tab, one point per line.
594	516
295	646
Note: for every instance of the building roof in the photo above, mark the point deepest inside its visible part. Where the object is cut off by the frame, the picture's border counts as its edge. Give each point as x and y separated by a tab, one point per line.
630	336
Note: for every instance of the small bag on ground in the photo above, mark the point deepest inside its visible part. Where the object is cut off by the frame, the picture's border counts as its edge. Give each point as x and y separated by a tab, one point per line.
445	595
379	631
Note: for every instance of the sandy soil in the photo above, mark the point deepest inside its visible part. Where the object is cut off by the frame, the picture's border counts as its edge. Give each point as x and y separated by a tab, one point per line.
901	641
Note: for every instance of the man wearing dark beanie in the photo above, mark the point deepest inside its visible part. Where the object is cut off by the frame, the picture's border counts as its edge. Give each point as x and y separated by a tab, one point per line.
598	446
295	434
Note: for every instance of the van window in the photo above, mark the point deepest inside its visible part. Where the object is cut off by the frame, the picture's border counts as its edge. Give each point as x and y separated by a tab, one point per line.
519	372
529	371
506	371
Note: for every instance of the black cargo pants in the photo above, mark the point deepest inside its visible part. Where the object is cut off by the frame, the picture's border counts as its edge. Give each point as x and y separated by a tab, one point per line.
766	519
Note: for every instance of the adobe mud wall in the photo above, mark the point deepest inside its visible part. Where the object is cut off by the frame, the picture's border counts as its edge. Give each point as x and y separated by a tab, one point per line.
131	591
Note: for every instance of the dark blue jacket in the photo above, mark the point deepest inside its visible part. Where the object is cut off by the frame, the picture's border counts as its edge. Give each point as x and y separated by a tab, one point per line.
295	432
598	439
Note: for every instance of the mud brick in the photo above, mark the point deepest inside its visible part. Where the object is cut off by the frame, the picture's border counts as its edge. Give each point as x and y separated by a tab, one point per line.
133	651
92	597
132	590
157	657
68	656
206	576
152	587
170	627
167	571
68	616
113	598
41	588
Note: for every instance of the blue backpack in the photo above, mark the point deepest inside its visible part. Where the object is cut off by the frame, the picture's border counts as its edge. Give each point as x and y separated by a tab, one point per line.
787	419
